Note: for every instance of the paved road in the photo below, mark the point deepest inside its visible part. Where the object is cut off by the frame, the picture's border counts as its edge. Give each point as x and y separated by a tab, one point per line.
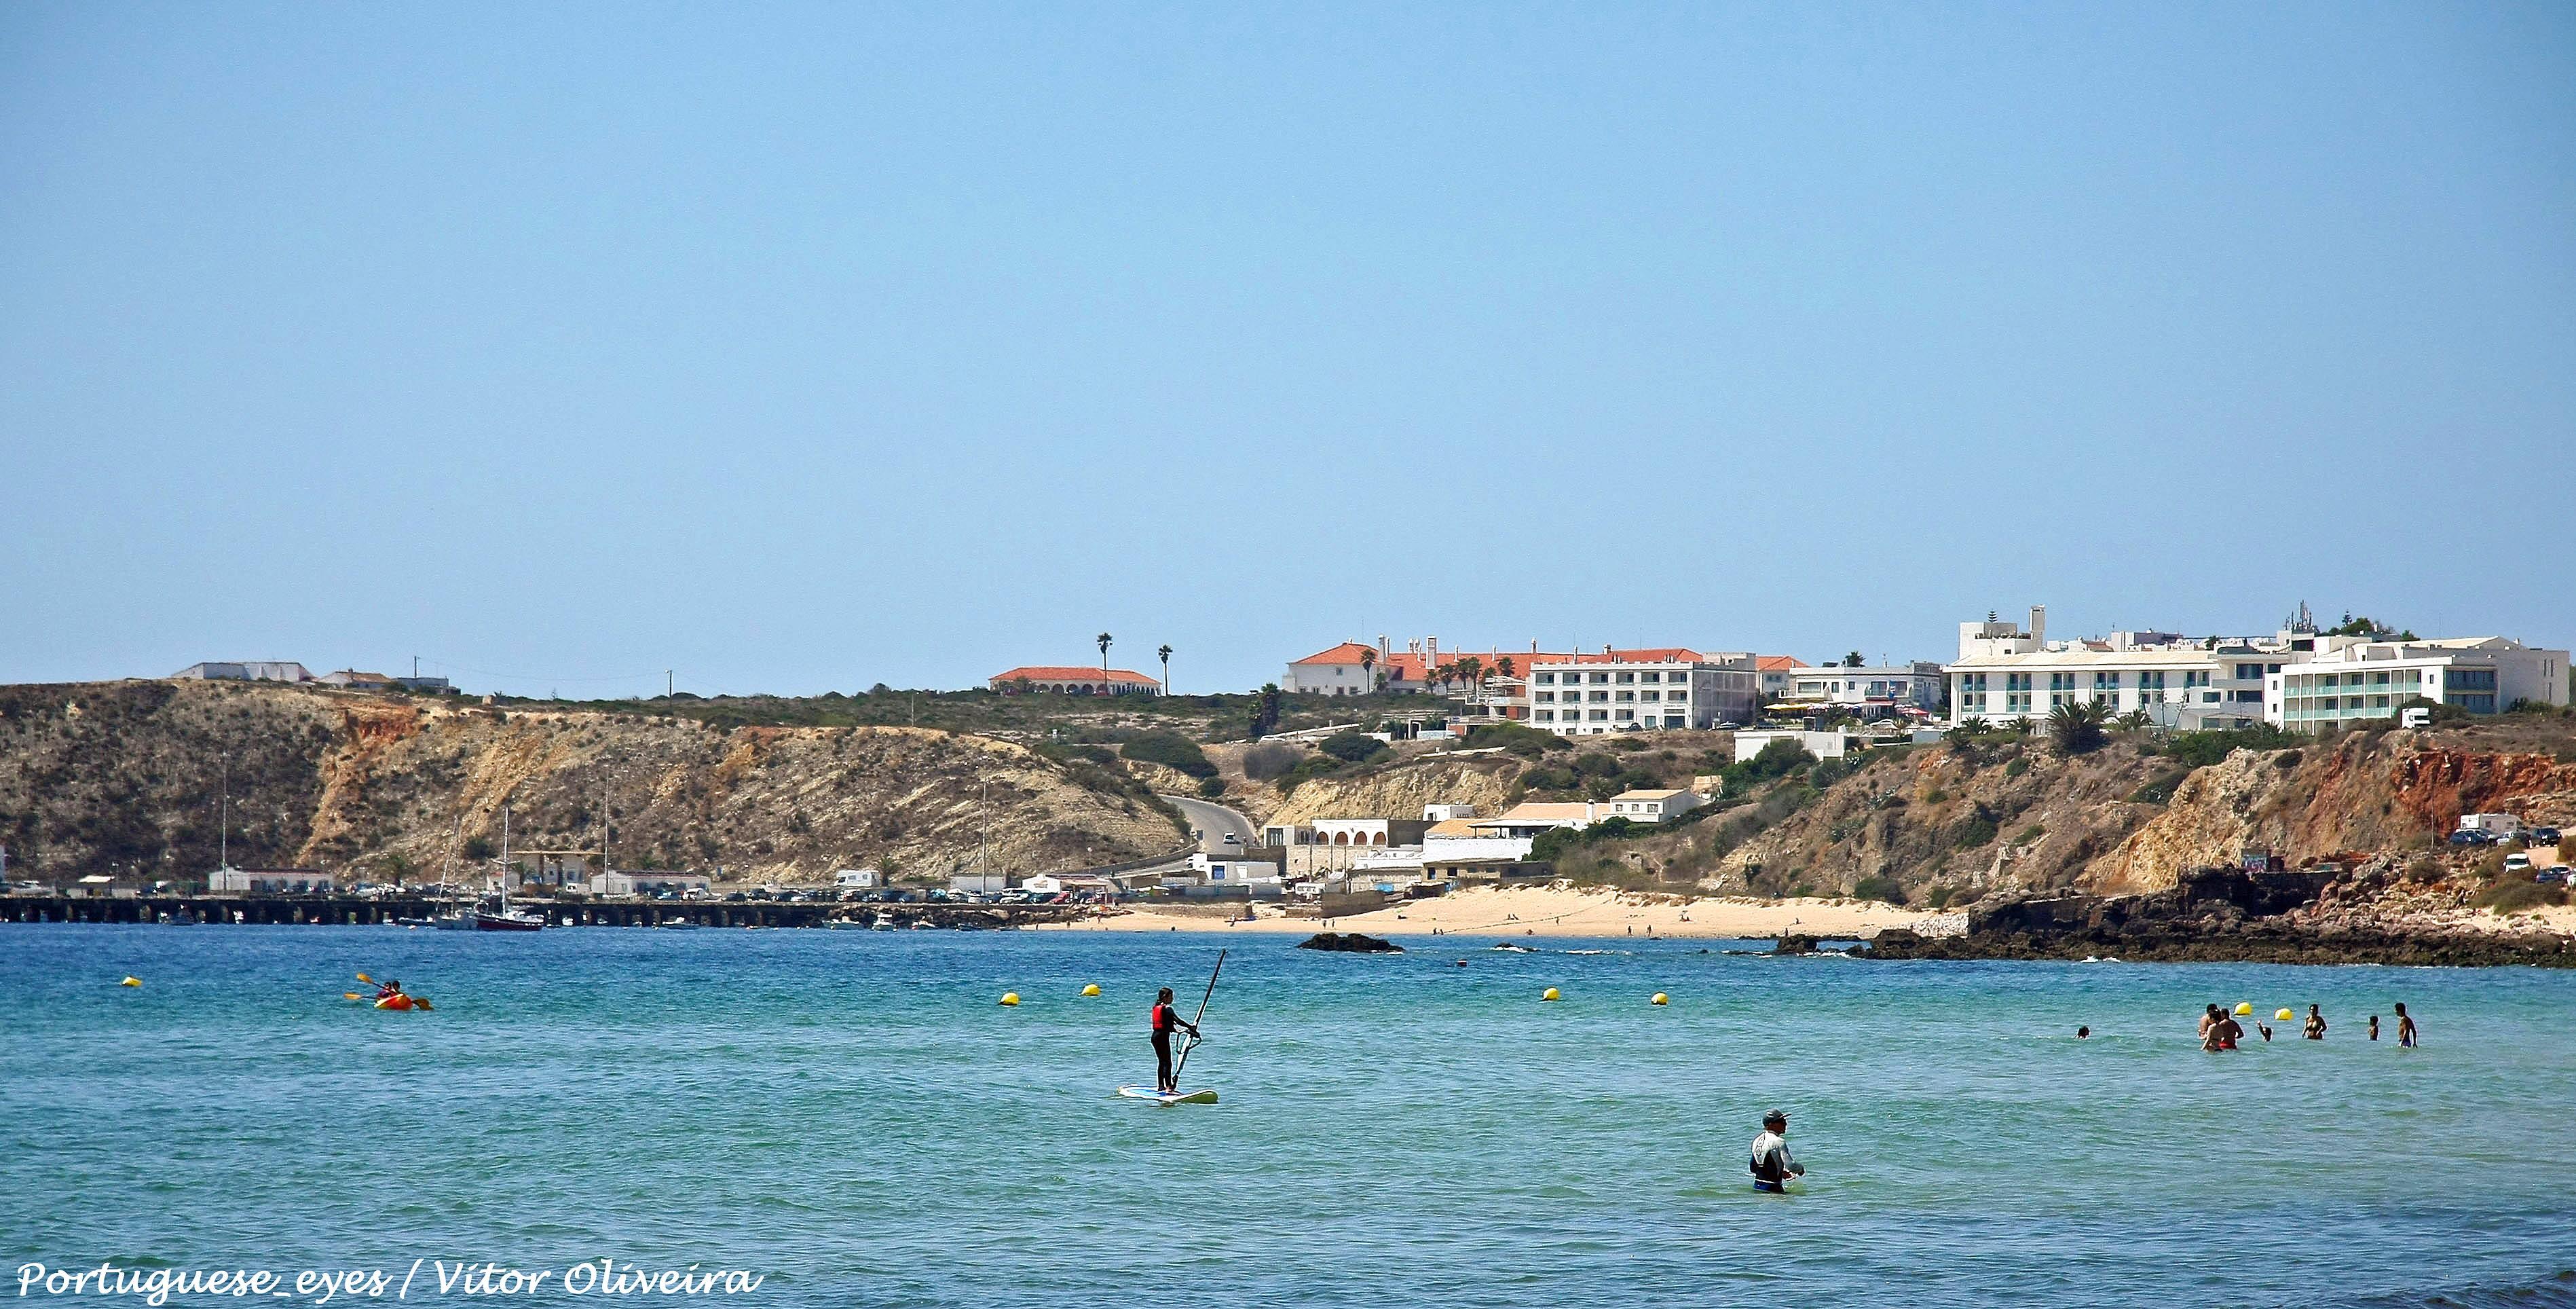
1213	822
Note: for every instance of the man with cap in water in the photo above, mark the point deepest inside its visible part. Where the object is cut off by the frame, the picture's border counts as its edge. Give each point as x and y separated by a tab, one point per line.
1772	1166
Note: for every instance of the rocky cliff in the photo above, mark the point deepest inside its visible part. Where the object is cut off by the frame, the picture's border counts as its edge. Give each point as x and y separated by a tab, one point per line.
1401	790
127	778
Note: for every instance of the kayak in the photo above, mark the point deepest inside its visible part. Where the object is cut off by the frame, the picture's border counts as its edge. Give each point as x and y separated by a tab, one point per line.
394	1002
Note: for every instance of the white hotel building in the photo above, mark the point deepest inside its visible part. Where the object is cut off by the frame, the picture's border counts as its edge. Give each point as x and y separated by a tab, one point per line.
2295	679
1640	690
2374	679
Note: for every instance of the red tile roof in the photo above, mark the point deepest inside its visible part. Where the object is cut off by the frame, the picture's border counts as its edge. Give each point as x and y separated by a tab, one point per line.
1073	673
1777	663
1348	652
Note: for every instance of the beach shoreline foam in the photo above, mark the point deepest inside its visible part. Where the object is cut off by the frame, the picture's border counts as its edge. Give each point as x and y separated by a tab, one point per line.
1547	911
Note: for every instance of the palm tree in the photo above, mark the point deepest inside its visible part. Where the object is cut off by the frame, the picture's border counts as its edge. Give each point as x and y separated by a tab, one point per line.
1103	638
1166	653
1368	669
2136	720
1472	671
2077	728
1506	667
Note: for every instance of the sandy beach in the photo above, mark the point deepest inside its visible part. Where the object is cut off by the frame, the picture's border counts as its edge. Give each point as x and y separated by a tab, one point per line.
1551	911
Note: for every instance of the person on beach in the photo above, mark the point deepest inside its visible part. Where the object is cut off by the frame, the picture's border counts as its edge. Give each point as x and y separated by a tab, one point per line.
1772	1166
2315	1030
2374	1027
2405	1029
1165	1019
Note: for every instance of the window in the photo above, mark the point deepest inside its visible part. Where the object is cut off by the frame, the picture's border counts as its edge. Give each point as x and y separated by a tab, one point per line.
1627	695
1625	714
2192	677
1600	715
1677	694
1600	696
1546	715
2106	681
2470	679
1627	678
1547	679
1650	695
1545	697
2248	672
1653	677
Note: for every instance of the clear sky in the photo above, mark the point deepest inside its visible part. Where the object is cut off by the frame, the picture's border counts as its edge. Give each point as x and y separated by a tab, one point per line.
802	348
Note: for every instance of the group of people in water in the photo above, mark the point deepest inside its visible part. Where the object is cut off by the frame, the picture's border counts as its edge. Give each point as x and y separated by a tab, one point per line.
2219	1029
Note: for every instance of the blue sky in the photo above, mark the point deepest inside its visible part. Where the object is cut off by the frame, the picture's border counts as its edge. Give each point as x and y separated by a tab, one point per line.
805	348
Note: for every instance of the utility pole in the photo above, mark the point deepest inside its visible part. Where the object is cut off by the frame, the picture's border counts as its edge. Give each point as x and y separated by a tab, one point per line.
670	683
224	824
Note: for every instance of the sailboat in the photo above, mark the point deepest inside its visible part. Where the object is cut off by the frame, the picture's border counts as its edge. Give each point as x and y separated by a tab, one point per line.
476	919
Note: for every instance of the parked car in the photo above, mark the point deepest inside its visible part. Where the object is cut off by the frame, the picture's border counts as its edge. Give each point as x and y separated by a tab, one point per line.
2467	837
2517	862
2551	876
735	897
2542	836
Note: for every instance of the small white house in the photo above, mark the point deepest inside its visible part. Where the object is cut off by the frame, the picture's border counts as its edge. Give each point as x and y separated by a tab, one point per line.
1653	806
862	878
646	881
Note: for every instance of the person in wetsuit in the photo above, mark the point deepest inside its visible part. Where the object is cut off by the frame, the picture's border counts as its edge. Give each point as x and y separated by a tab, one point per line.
1772	1166
1165	1019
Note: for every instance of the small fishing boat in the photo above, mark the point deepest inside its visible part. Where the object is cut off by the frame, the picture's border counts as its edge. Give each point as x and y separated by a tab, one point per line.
477	919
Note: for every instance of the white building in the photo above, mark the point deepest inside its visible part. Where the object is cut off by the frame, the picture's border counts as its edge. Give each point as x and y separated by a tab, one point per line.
1919	685
1653	806
858	878
645	881
256	670
2006	672
1073	679
1637	690
2356	679
268	881
1823	745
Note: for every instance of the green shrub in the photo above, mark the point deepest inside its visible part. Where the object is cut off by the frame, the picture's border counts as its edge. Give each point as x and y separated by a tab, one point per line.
2513	897
1550	778
1172	750
1212	788
1352	747
1270	759
1597	765
1975	830
1307	769
1527	742
1879	888
2016	768
2201	749
1941	896
2030	834
2161	789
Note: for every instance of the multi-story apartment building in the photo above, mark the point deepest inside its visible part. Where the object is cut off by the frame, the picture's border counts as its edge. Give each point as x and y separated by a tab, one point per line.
1638	690
2356	679
2006	672
2297	678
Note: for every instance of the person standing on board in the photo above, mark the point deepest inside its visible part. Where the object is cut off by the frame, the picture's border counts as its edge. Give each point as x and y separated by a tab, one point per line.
1772	1166
2405	1029
1165	1019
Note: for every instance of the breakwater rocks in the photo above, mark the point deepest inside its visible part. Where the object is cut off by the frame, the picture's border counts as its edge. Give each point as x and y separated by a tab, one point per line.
1350	943
2216	916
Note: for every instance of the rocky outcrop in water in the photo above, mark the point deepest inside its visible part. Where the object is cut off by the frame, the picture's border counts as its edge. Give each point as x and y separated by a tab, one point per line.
1350	943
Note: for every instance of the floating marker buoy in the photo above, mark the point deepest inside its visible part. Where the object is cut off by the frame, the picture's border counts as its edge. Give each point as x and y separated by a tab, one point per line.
1010	997
2283	1016
1548	994
1091	989
2244	1007
131	981
1660	998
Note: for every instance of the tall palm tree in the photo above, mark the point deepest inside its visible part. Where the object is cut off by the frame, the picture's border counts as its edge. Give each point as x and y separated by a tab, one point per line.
1368	668
1103	638
1472	670
1166	653
1506	667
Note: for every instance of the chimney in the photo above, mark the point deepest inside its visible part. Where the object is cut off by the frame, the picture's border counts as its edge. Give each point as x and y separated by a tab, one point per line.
2039	624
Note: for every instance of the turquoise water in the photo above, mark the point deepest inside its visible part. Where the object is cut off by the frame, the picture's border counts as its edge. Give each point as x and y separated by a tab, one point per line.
853	1116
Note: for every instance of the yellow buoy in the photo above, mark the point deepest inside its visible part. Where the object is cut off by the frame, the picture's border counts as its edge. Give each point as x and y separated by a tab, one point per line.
1010	997
1661	998
131	981
2244	1007
1091	989
1549	994
2283	1016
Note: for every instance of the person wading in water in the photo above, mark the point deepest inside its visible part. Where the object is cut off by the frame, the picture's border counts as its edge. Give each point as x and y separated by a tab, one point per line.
1772	1166
1165	1019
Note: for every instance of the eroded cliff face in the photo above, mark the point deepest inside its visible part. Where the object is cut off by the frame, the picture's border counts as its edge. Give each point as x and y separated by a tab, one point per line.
1400	791
2365	793
126	776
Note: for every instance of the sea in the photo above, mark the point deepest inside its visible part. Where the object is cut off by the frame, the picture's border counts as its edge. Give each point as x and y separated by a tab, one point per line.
854	1119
